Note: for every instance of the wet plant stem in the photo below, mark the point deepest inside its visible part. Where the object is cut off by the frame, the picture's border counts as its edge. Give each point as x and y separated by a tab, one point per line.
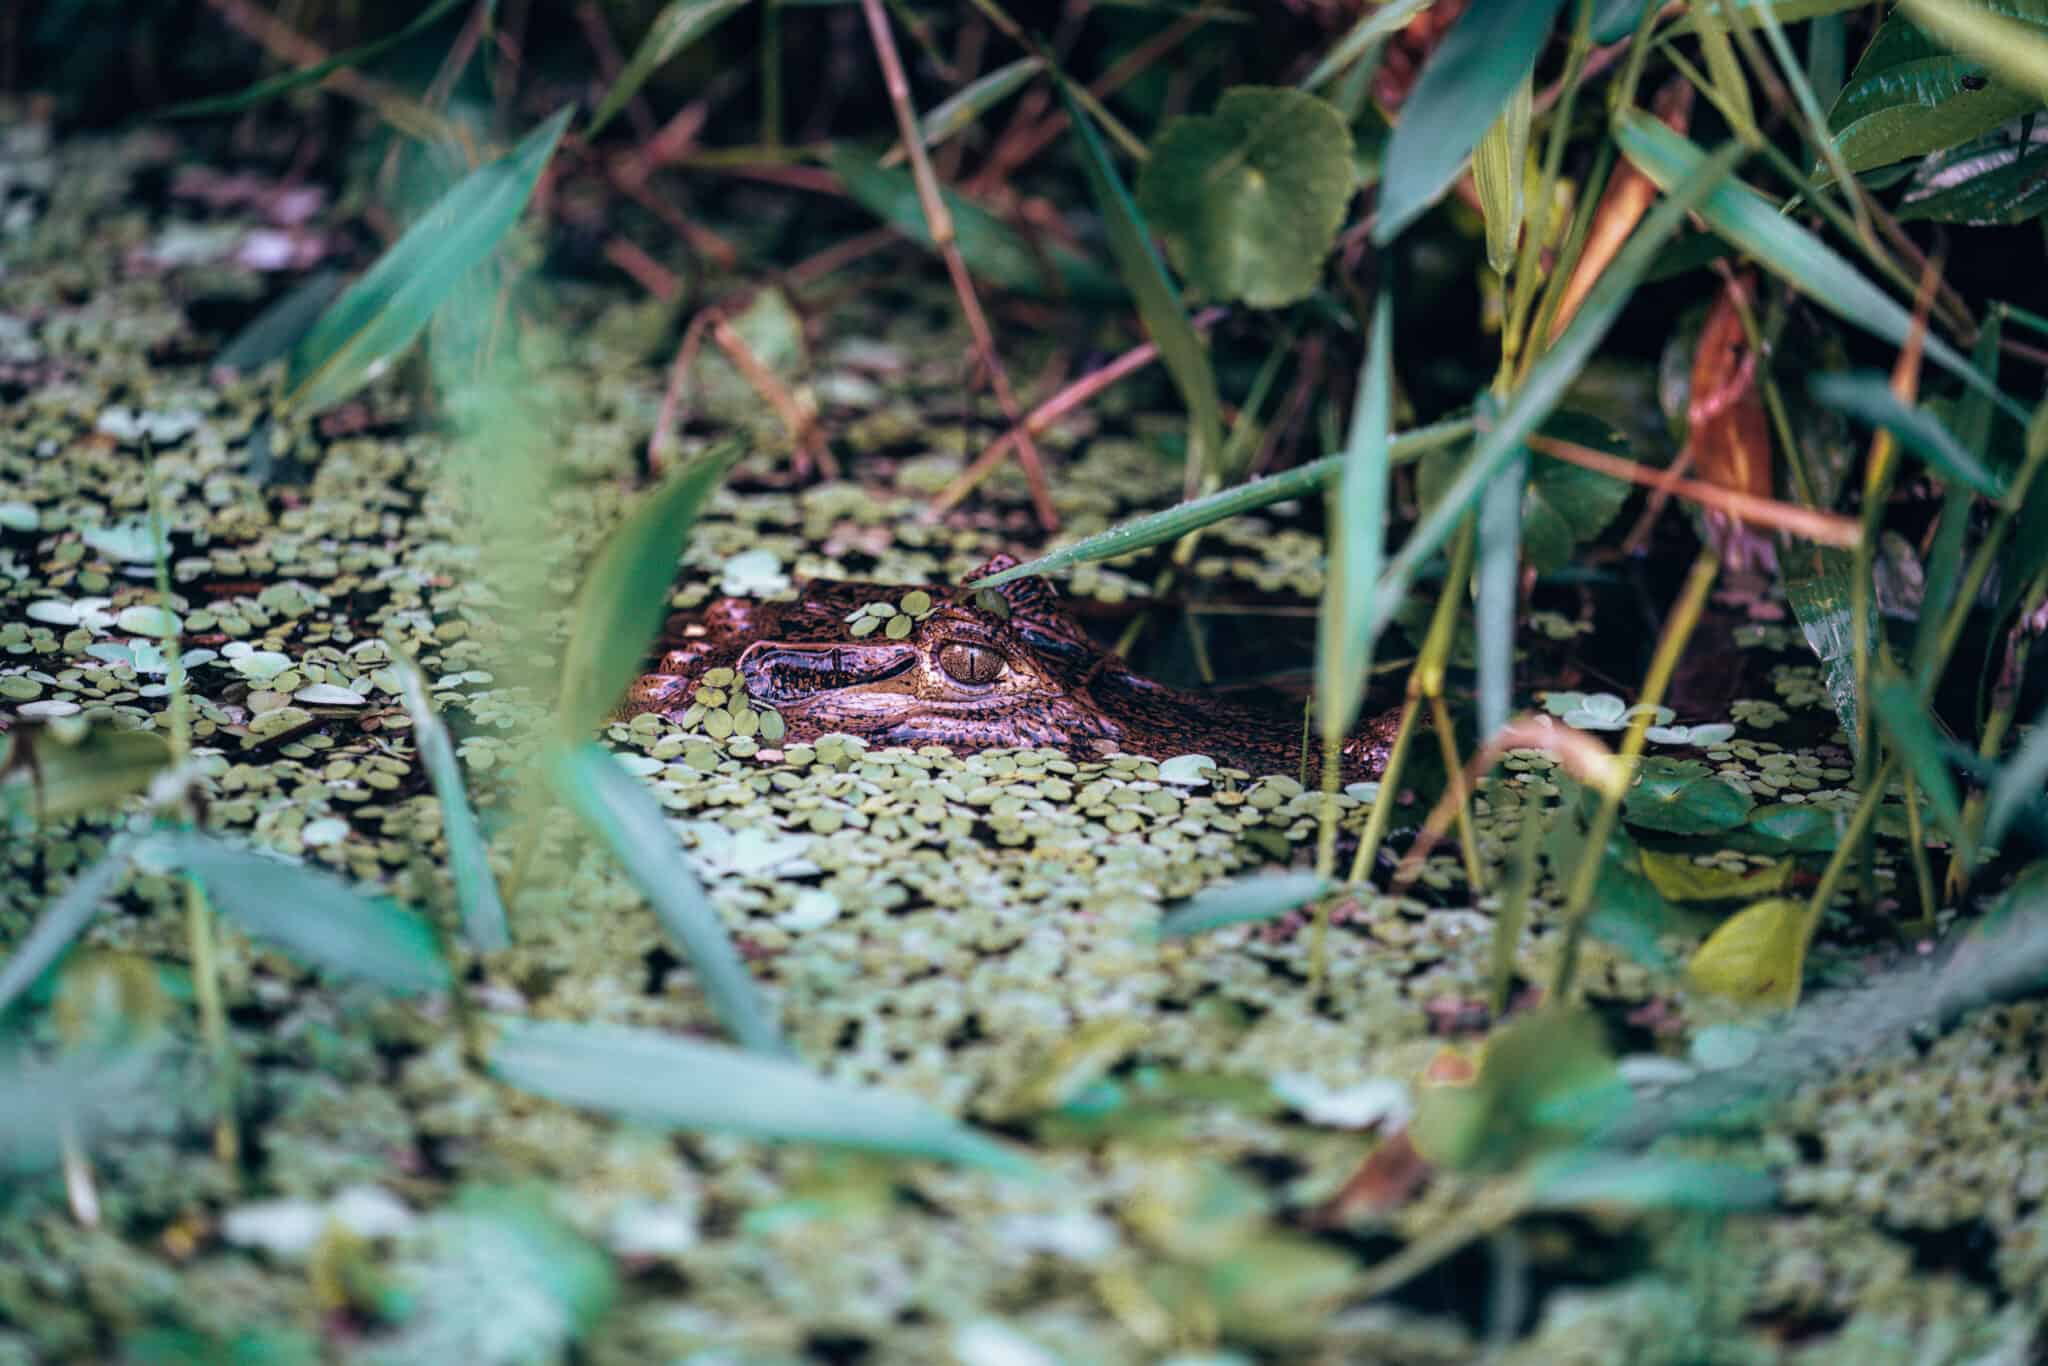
1685	616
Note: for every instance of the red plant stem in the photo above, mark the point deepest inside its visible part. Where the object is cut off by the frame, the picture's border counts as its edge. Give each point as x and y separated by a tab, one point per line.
654	277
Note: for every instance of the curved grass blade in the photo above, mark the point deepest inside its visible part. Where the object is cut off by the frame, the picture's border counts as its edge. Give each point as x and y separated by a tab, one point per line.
1357	538
680	23
379	315
958	112
1170	524
469	861
316	918
1130	241
676	1083
1786	249
278	328
626	591
1912	732
1370	30
616	808
1462	90
1258	896
1868	397
307	75
1498	579
62	921
1550	376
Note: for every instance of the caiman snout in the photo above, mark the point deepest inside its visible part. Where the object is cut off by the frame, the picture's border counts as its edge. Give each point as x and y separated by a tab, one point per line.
785	675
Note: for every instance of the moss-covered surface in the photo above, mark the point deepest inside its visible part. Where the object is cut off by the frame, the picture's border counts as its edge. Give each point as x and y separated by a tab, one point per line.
971	929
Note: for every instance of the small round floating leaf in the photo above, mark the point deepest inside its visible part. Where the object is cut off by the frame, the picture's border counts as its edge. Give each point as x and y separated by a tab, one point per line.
866	626
916	602
898	628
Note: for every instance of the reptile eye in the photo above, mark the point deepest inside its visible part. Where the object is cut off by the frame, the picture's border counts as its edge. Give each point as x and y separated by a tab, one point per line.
970	663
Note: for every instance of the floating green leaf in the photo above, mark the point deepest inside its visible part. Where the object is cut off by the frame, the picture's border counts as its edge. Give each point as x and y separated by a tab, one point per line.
679	1083
1250	198
680	24
1256	896
616	808
1130	241
1910	95
378	316
1467	82
476	888
1357	537
1683	797
1784	248
625	593
314	916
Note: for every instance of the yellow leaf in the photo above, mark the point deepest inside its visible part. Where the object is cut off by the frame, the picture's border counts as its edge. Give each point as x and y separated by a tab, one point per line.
1680	879
1757	956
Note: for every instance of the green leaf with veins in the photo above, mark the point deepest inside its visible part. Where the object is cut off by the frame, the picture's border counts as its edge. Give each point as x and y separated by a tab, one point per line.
1683	797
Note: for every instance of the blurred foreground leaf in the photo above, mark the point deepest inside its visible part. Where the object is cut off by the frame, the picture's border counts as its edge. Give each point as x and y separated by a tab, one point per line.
1255	896
49	772
680	23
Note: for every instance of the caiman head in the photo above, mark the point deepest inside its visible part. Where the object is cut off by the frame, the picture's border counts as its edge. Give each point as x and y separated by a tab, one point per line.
1004	667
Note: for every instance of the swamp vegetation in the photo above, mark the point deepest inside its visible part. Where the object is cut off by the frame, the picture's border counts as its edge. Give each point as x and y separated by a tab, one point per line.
1626	414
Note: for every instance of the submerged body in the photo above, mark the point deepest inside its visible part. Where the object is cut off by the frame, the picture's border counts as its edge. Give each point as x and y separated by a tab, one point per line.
1007	667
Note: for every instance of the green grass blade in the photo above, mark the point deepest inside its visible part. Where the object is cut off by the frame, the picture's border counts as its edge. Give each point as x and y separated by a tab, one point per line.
1549	377
959	112
1783	247
676	1083
379	315
277	329
1868	397
469	861
680	23
1130	241
1371	29
615	807
1170	524
1468	80
1357	537
316	918
2019	783
1912	732
1498	578
1256	896
625	593
62	921
1582	1179
289	81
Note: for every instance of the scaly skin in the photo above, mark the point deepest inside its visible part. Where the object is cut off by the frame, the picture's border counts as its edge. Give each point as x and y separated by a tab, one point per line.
969	678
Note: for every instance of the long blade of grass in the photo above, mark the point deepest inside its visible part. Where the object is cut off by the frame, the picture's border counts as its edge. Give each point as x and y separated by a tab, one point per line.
1550	376
289	81
1470	76
277	329
1783	247
676	1083
1130	241
1498	580
617	809
1912	733
379	315
959	111
626	591
1372	28
62	921
1868	397
1257	896
318	919
2019	784
469	861
1170	524
1357	539
680	23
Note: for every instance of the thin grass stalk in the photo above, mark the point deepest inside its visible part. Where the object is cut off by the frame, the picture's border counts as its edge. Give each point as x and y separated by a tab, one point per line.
1462	792
1916	845
1390	783
1852	839
1685	615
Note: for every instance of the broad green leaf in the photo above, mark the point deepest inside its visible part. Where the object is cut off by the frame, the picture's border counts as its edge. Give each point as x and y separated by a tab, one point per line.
991	248
1784	248
1818	586
1372	28
1992	181
1255	896
1468	81
2020	783
1683	797
1250	198
677	1083
277	329
1910	95
680	23
1130	241
1578	1180
378	316
1544	1079
53	771
62	921
1357	536
1914	735
625	592
1564	506
619	810
469	861
1757	955
1170	524
2009	36
1550	376
1788	829
307	75
1498	170
959	112
314	916
1628	910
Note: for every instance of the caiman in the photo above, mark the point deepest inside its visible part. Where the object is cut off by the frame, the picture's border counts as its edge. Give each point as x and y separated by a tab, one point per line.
1002	667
